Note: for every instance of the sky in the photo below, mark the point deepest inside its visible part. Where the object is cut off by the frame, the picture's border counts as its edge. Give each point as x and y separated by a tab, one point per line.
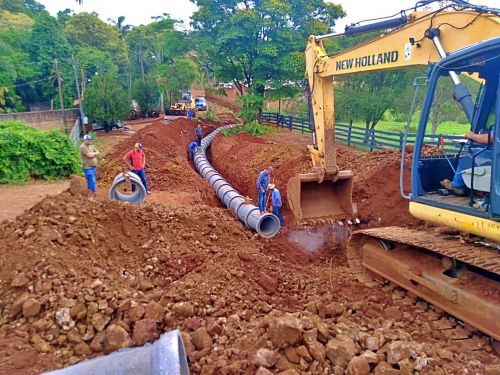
140	12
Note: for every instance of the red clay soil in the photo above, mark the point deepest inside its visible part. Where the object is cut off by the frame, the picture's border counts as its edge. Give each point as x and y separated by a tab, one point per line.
80	277
376	185
167	167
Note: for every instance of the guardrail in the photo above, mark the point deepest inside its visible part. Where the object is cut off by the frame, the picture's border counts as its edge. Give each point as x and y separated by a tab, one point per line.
356	136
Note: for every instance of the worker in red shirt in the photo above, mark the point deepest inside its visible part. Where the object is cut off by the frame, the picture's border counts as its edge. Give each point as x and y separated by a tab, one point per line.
136	162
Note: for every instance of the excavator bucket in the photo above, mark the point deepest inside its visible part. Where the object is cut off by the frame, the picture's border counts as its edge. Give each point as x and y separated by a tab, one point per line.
311	196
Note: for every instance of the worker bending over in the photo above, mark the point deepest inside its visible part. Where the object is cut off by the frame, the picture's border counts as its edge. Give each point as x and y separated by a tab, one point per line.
277	203
192	148
136	162
262	184
458	184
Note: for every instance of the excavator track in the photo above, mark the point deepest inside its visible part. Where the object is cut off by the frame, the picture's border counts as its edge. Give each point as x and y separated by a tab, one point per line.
462	279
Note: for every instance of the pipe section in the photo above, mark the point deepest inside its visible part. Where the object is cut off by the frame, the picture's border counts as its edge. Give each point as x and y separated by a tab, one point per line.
138	196
267	225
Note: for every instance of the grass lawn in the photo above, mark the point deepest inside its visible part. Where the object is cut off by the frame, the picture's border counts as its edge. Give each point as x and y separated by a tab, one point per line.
445	128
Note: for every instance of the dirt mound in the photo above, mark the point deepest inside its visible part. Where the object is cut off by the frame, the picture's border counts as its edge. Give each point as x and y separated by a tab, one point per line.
376	185
80	278
167	166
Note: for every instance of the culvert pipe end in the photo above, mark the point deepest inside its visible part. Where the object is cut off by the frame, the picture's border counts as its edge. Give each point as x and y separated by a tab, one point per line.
267	225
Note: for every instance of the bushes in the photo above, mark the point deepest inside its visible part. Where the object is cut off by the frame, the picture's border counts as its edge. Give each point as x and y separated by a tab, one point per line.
26	152
252	128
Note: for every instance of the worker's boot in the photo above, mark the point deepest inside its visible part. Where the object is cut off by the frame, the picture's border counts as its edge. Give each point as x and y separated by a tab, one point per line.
449	186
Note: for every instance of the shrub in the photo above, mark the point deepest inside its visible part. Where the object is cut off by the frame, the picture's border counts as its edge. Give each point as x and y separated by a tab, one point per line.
209	115
26	152
252	128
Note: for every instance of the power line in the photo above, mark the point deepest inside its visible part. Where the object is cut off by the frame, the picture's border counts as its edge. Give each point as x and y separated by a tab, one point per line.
28	83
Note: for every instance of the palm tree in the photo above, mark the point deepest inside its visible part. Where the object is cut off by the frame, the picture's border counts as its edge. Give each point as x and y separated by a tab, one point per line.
123	29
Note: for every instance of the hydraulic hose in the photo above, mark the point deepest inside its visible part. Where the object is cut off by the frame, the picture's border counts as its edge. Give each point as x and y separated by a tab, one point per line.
266	225
138	196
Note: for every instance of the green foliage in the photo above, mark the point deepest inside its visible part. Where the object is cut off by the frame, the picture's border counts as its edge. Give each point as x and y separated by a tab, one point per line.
259	42
27	153
209	115
106	101
253	128
251	105
147	95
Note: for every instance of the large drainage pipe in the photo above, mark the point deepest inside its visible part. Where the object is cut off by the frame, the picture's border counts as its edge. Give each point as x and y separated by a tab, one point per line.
127	179
267	225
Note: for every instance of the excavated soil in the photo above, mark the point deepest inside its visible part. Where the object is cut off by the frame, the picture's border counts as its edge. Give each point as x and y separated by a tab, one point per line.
376	183
81	276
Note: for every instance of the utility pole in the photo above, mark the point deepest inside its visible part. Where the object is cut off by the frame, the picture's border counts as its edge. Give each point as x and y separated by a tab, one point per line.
59	84
80	104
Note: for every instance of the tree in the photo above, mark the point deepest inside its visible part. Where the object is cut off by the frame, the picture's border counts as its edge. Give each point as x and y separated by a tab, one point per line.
147	95
119	24
106	102
253	43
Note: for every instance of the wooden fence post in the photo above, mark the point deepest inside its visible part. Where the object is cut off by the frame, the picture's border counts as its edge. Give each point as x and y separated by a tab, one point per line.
372	131
349	133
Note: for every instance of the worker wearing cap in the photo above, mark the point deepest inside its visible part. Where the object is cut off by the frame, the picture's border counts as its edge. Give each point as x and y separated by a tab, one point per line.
277	203
262	183
88	155
136	162
192	147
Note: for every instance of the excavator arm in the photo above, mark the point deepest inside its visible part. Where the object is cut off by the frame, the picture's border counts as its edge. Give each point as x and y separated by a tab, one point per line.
421	38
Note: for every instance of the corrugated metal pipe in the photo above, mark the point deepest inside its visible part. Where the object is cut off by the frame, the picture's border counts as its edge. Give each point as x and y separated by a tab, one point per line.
267	225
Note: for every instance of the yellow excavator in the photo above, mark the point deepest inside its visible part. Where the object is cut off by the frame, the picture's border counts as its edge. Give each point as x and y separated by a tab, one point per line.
458	273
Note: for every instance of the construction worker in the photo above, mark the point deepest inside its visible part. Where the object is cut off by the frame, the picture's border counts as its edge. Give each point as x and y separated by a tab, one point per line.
277	203
457	185
136	161
199	134
262	184
192	147
190	114
88	155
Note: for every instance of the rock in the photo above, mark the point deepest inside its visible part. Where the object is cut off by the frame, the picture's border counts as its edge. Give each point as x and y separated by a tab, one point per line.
82	349
63	318
267	282
78	311
201	339
285	331
42	325
135	313
358	366
265	357
371	343
31	307
334	309
383	368
310	335
97	343
290	371
263	371
304	353
398	351
370	356
40	344
317	351
77	185
188	345
116	338
292	355
99	321
154	311
340	350
144	331
445	354
20	280
74	336
393	313
17	305
184	309
213	328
